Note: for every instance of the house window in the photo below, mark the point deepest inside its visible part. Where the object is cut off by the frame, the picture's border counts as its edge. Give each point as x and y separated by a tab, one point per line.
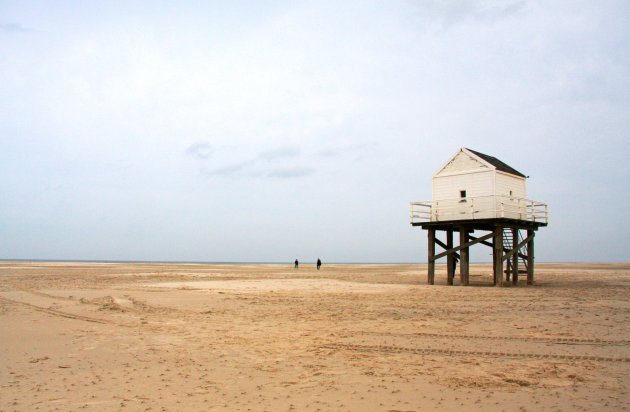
462	195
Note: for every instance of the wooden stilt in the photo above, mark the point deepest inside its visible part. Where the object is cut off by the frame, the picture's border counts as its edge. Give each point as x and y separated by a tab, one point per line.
443	245
468	244
511	249
464	257
450	258
498	256
530	257
489	244
508	264
494	261
508	269
431	256
515	257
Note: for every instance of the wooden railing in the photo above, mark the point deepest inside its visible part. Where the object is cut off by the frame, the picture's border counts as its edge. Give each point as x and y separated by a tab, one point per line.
481	207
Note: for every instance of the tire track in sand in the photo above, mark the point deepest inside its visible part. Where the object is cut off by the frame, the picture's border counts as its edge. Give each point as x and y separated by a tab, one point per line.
55	312
545	339
450	352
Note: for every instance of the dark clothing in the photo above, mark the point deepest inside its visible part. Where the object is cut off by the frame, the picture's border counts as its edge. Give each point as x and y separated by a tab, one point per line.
296	263
319	264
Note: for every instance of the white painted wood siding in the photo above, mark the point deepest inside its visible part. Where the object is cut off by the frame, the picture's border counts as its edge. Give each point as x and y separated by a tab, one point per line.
490	193
475	184
462	162
513	188
506	183
446	194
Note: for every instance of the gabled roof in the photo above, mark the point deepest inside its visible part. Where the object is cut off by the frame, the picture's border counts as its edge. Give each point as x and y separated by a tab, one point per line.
497	163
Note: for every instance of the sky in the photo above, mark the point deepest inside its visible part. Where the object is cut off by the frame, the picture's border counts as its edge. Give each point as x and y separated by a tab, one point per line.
264	131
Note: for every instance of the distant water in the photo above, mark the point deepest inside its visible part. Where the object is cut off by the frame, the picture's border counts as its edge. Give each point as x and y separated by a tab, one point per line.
202	262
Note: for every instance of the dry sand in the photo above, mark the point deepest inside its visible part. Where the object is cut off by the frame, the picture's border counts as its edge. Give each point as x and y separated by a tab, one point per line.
99	336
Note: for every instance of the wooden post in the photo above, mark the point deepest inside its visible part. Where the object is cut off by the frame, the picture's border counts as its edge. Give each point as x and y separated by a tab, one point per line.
431	264
530	258
508	269
498	256
515	257
450	258
494	260
464	257
508	264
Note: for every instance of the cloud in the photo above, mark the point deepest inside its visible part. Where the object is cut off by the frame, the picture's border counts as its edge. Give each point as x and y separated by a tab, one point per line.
13	28
292	172
252	168
279	153
327	153
55	187
228	170
349	151
200	150
448	13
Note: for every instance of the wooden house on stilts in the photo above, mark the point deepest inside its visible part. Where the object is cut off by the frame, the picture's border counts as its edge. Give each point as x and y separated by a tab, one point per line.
476	192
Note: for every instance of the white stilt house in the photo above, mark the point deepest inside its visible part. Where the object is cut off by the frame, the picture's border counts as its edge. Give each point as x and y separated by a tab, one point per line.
474	191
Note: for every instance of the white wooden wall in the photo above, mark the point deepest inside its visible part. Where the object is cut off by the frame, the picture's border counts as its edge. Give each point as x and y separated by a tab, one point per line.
490	193
446	195
489	188
475	184
506	182
462	162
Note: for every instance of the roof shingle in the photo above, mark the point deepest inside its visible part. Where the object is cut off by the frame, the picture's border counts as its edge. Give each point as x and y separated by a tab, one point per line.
497	163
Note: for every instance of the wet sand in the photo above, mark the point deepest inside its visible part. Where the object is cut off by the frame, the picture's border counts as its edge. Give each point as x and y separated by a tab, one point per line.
100	336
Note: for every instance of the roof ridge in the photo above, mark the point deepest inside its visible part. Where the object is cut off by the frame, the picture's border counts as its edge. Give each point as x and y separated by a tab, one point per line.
498	164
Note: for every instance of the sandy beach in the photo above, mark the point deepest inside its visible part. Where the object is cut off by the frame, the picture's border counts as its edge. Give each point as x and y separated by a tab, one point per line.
262	337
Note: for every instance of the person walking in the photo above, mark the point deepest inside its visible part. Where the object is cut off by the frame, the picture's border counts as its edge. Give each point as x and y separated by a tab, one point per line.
319	263
296	264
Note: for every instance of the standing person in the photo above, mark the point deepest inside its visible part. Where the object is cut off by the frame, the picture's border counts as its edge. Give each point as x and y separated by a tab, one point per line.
296	264
319	263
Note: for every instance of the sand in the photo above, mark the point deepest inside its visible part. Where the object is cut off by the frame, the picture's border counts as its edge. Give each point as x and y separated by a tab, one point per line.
98	336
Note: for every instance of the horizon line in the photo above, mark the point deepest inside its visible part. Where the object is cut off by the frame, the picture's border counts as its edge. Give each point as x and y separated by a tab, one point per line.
288	262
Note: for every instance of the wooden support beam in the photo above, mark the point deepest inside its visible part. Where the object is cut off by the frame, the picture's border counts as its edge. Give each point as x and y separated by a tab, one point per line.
445	247
508	266
460	247
517	248
450	259
464	258
431	255
492	246
530	257
515	257
483	242
494	261
498	256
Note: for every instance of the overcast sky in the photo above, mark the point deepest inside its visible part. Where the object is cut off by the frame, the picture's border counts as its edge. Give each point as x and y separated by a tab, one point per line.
269	130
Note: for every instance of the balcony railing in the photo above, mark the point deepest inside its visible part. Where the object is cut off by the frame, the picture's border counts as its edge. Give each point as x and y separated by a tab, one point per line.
481	207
